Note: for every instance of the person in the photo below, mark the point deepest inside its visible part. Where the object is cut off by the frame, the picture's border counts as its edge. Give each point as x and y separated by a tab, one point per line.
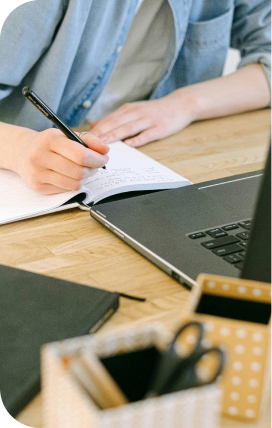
137	70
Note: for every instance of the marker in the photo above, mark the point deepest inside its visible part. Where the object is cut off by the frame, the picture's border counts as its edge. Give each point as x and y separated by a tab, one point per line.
44	109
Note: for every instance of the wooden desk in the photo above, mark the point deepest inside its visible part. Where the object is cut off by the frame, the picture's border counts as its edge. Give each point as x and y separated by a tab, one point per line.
73	246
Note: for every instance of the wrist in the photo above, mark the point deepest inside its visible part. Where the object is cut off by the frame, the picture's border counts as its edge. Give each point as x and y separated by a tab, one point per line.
20	149
14	141
189	96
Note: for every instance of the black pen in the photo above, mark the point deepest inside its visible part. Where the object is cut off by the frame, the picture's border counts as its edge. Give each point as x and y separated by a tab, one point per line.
40	105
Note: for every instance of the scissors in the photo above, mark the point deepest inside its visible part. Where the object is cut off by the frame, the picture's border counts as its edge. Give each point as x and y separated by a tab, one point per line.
174	372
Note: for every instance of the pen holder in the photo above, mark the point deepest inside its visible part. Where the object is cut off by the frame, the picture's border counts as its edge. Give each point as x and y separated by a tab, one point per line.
67	405
236	314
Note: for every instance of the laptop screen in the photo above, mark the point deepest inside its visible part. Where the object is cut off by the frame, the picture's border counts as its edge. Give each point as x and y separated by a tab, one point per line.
257	264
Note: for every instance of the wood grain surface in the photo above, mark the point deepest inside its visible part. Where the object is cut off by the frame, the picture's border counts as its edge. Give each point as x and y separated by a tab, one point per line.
71	245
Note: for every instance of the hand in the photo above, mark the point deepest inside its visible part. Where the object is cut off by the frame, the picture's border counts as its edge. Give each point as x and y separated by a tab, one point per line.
147	121
51	163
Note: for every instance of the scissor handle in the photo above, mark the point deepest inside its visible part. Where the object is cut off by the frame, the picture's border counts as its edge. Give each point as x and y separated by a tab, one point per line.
175	373
221	362
185	376
185	327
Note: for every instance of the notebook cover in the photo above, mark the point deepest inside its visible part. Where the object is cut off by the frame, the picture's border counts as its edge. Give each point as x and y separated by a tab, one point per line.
37	309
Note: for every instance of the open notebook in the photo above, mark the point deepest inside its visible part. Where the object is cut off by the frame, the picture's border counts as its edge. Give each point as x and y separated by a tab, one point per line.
127	170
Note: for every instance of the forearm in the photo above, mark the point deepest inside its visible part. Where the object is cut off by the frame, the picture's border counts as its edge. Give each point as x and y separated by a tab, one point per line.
11	138
244	90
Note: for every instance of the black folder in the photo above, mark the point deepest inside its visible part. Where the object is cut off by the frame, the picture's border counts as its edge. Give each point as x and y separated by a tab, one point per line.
34	310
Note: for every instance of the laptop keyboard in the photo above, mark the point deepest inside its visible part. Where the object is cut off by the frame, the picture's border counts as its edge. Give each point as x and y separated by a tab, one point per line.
228	241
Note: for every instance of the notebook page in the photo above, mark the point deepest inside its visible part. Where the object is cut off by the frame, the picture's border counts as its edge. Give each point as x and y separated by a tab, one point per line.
128	169
20	201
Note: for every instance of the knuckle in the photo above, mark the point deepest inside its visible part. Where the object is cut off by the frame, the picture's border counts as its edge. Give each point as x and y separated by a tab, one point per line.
96	131
137	141
114	121
99	130
52	133
80	157
139	110
88	138
36	185
79	173
130	128
112	136
47	135
94	138
152	136
76	185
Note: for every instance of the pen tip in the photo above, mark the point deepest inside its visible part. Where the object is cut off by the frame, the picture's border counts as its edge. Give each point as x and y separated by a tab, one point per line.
104	167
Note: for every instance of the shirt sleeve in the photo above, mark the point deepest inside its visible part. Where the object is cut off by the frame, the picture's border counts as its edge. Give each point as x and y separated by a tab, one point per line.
251	33
26	34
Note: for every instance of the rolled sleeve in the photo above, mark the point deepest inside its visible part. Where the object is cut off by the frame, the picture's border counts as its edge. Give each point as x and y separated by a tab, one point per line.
251	33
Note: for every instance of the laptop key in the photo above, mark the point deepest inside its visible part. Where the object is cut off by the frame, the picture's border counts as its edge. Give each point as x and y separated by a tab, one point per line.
243	243
243	235
245	224
230	227
228	249
243	254
197	235
233	258
239	265
216	233
219	242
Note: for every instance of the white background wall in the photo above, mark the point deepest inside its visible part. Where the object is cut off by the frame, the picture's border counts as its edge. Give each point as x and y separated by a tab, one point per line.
232	61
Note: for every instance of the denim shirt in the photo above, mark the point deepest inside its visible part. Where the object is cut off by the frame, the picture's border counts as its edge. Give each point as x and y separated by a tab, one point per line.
66	50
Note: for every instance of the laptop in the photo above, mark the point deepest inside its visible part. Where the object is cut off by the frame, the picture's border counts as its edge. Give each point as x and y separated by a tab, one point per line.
208	227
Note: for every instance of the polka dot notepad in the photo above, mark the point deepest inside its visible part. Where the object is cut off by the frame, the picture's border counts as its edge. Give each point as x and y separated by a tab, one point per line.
246	344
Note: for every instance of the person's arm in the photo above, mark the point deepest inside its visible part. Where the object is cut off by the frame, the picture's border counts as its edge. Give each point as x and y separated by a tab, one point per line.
48	161
246	89
145	121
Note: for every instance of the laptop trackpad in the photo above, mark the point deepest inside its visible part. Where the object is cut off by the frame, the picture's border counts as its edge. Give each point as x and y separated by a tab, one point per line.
236	193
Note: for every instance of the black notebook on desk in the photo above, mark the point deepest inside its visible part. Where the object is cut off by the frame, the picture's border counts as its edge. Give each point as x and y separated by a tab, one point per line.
36	309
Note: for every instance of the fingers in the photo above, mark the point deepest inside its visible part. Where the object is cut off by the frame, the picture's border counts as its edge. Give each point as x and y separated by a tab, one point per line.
62	176
49	189
79	154
56	162
53	178
137	119
127	130
93	124
141	122
145	137
112	122
95	144
127	122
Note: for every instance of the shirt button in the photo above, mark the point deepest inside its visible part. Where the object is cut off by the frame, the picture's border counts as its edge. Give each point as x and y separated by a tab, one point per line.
87	104
118	50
